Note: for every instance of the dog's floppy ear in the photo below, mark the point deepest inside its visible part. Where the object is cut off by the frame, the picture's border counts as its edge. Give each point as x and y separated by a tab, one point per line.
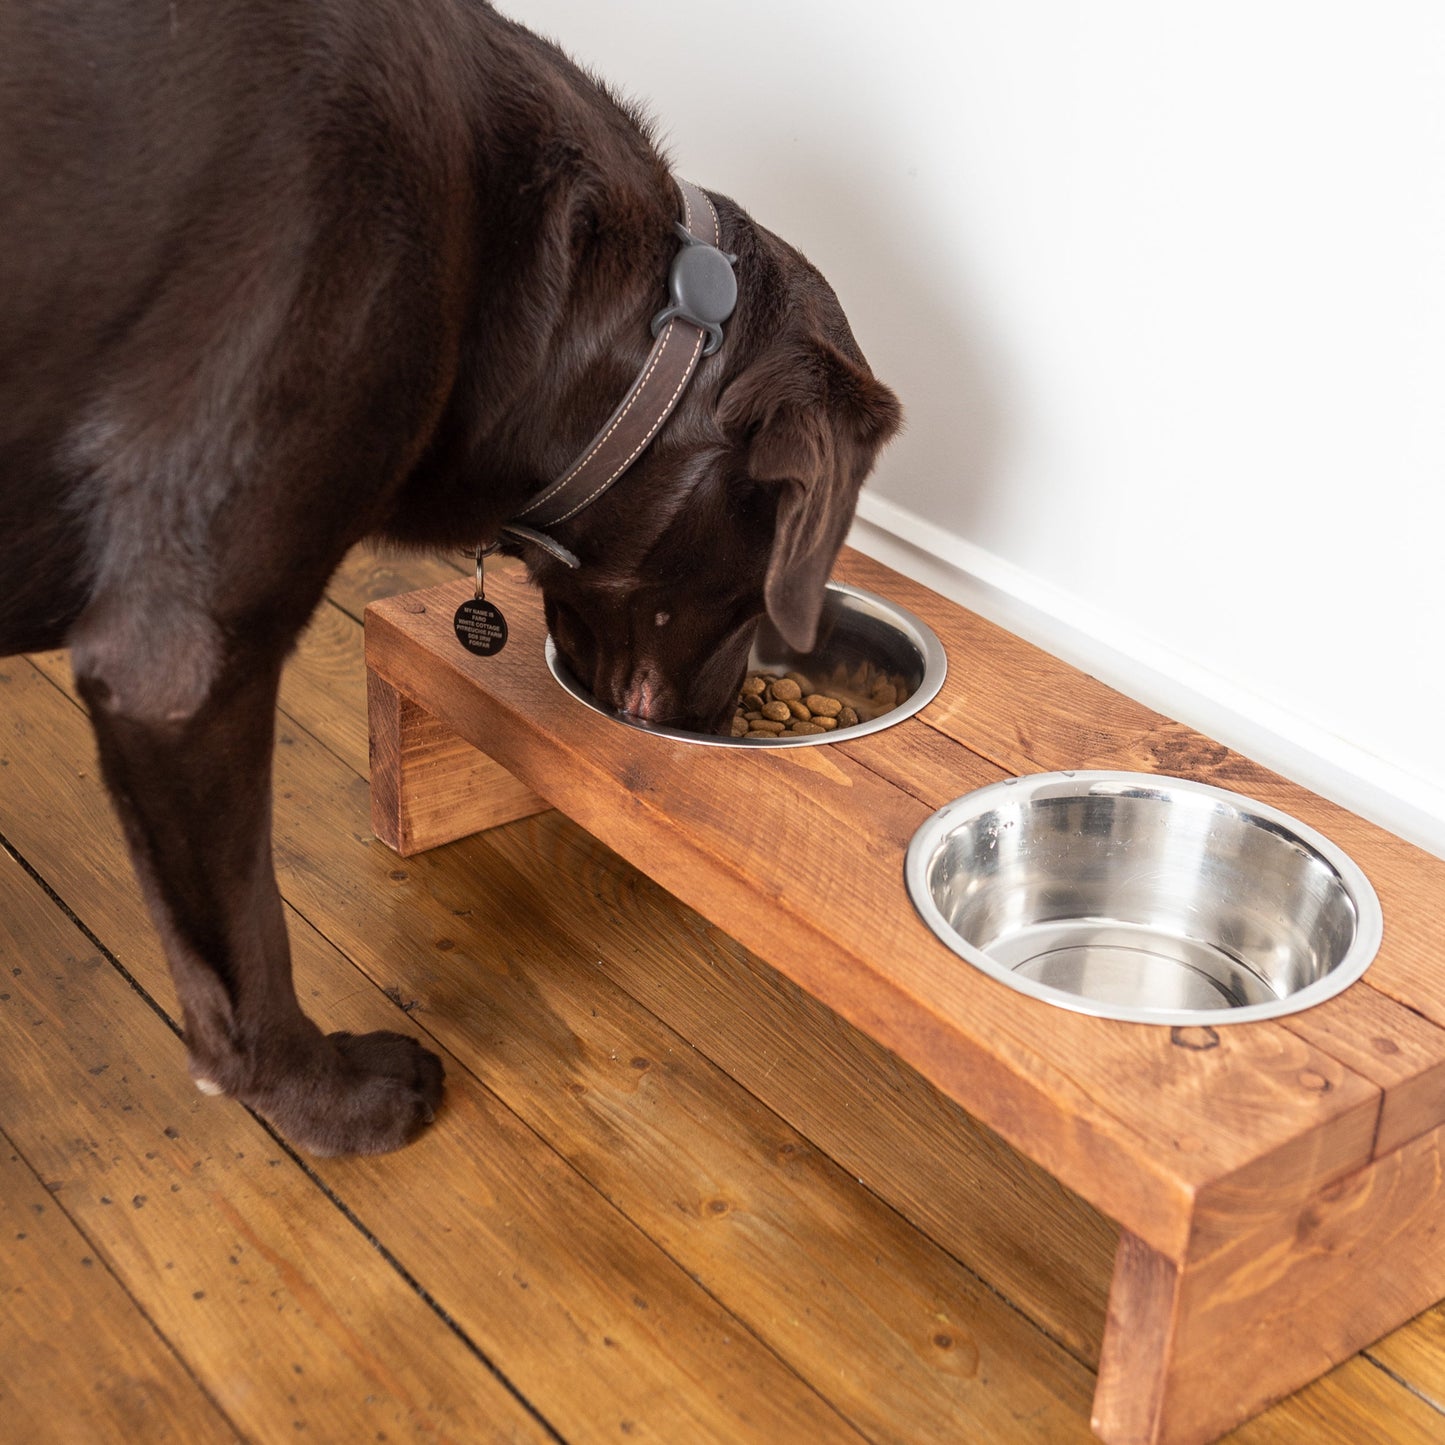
816	420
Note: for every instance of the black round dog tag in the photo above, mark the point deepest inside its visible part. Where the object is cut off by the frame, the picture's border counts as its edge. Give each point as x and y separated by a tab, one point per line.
480	626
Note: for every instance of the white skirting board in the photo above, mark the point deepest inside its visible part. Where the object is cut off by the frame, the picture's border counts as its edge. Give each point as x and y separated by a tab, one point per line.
1099	644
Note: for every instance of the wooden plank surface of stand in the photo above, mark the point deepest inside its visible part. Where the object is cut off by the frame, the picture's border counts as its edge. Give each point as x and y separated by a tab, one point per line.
1276	1183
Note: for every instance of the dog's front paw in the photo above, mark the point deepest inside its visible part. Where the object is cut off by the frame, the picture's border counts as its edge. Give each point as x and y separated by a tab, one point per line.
356	1094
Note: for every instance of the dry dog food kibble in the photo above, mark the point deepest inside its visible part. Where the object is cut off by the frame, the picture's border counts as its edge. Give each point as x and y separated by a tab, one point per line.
790	705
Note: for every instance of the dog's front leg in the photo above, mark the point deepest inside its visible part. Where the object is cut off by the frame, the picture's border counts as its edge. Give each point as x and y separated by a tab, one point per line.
185	724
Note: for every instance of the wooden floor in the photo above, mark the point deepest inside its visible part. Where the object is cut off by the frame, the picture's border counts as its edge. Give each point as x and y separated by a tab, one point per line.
745	1223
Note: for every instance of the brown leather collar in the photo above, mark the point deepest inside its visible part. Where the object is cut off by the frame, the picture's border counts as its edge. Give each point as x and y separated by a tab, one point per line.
702	294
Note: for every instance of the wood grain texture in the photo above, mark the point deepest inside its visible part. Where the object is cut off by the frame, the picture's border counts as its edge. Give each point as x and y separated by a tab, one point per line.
574	1304
900	1338
1349	1404
1027	711
1005	699
502	967
1130	1400
1009	1220
321	681
1192	1350
901	1379
1354	1403
1416	1354
428	787
780	877
785	1266
318	680
368	574
97	1098
81	1360
1044	1247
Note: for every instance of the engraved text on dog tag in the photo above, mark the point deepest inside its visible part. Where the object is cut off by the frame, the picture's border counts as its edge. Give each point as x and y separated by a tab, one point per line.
480	626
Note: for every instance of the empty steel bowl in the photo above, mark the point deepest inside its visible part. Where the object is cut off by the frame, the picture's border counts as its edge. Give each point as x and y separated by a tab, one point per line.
1144	898
862	638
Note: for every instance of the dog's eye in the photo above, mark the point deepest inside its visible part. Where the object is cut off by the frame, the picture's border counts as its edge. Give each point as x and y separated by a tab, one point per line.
663	618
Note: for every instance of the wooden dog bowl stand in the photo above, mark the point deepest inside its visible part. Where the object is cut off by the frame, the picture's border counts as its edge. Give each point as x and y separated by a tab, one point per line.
1278	1185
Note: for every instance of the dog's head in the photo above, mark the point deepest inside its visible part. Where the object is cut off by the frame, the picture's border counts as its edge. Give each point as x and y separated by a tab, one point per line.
735	512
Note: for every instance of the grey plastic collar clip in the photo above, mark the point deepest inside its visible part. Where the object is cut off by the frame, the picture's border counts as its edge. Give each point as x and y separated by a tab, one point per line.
701	287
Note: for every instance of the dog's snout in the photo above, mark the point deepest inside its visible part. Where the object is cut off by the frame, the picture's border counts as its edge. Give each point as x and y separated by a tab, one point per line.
642	694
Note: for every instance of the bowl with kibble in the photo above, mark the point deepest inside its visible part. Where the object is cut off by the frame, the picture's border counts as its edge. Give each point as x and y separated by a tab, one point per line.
873	665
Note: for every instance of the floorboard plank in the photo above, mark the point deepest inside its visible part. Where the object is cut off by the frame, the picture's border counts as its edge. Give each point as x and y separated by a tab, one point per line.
576	1306
764	1221
1355	1404
369	573
82	1363
1416	1354
284	1313
884	1324
1008	1220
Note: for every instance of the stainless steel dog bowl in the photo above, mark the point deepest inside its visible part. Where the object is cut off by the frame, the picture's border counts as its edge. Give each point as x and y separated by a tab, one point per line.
1143	898
860	637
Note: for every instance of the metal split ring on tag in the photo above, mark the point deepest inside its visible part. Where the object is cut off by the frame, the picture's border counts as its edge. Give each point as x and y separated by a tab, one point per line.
479	624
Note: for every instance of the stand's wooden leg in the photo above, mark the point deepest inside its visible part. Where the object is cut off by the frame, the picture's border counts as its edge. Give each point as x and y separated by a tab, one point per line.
428	786
1263	1306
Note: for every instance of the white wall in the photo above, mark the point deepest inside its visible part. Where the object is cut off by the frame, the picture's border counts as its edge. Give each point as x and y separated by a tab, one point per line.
1162	287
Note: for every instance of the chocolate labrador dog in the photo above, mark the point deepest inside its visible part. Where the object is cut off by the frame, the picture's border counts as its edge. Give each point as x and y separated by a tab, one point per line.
275	278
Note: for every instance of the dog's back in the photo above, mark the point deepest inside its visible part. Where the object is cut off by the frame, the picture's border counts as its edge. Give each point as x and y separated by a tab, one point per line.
180	196
77	179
